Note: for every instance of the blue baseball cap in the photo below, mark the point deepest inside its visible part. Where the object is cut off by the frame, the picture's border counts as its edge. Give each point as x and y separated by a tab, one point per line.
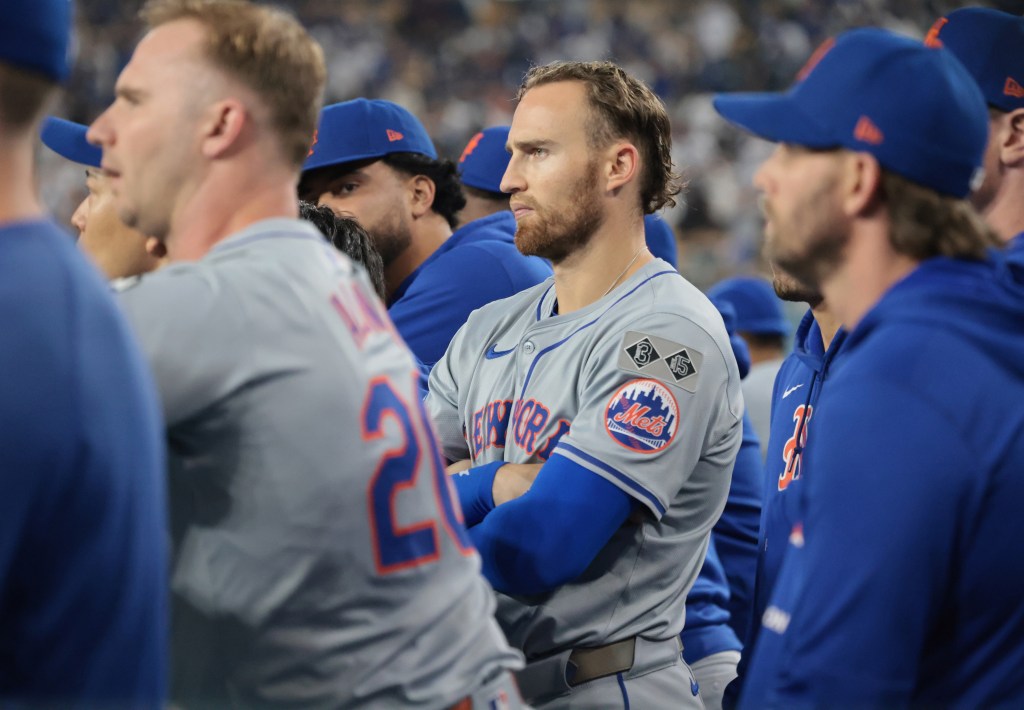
990	44
35	36
914	108
485	160
758	310
67	139
366	128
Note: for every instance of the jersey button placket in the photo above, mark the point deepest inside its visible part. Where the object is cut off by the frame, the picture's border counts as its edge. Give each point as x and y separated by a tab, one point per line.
529	347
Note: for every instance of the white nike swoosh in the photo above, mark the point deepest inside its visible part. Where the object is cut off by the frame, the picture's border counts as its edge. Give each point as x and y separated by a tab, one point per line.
791	390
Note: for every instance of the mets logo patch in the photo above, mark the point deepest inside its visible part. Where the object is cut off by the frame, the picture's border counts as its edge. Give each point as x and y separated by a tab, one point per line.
642	416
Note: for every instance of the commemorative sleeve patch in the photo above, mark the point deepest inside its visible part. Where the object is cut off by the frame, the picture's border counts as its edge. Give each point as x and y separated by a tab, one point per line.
651	356
642	416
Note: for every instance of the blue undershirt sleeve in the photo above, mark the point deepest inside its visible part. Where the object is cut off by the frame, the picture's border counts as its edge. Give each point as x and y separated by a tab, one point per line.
551	534
475	487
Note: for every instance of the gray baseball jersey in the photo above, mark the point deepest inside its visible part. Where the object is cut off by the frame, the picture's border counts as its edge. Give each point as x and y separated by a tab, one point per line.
319	556
640	388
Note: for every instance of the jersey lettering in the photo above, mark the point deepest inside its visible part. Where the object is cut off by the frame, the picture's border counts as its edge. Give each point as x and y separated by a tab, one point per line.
544	453
362	315
528	420
793	451
397	547
490	425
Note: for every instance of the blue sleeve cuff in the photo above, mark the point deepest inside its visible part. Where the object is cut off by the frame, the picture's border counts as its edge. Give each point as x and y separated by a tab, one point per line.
475	487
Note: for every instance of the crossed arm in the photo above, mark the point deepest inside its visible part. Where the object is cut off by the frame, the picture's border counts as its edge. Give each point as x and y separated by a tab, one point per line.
538	526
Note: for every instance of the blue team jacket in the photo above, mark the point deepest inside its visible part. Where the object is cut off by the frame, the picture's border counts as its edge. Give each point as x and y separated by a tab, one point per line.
83	520
478	264
903	580
798	385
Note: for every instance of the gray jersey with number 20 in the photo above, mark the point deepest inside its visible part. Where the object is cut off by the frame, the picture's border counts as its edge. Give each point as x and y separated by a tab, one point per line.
319	559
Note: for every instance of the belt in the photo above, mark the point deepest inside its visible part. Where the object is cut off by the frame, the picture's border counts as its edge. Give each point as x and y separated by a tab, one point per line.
551	676
586	664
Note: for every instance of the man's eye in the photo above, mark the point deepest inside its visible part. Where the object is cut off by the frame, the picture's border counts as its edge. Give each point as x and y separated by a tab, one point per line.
345	189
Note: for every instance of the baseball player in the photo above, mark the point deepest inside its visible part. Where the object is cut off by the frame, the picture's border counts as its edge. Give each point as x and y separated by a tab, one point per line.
319	559
119	251
83	581
990	44
902	580
373	160
600	411
798	386
481	166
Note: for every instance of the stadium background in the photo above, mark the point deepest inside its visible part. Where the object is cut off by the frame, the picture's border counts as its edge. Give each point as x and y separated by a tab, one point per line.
456	64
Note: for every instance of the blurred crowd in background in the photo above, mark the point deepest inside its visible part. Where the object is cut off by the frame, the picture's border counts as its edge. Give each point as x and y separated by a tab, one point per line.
457	63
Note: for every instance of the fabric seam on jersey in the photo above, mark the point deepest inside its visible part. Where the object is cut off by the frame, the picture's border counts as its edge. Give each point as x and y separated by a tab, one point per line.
229	245
583	327
632	571
619	476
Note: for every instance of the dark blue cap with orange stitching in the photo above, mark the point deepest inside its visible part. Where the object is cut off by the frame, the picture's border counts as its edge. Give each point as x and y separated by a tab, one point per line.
915	108
363	129
990	44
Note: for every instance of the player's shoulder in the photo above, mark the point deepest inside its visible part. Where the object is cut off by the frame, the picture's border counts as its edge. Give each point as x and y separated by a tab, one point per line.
659	301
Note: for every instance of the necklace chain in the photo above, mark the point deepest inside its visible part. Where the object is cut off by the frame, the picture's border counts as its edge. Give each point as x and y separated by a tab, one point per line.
623	273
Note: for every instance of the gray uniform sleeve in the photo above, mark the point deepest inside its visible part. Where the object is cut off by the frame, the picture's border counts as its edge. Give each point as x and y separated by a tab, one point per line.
179	315
442	401
655	398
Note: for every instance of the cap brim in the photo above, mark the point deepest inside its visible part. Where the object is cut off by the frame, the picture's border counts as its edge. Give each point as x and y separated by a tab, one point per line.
67	139
773	116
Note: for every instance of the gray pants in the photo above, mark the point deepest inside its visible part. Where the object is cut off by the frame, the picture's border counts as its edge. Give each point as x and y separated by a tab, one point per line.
658	679
500	692
713	673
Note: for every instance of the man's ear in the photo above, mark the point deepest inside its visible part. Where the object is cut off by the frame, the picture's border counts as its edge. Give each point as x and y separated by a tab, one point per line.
861	183
422	191
1011	138
221	126
623	164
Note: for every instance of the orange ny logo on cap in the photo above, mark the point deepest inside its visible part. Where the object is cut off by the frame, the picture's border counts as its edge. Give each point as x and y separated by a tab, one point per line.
471	146
932	38
818	55
394	135
316	137
1012	88
868	132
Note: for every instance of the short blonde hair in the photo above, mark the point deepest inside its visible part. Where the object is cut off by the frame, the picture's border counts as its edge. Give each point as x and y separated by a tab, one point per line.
268	51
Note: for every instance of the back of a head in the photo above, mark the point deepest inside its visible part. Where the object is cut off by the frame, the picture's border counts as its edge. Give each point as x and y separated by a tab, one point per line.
348	237
267	51
622	107
34	40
